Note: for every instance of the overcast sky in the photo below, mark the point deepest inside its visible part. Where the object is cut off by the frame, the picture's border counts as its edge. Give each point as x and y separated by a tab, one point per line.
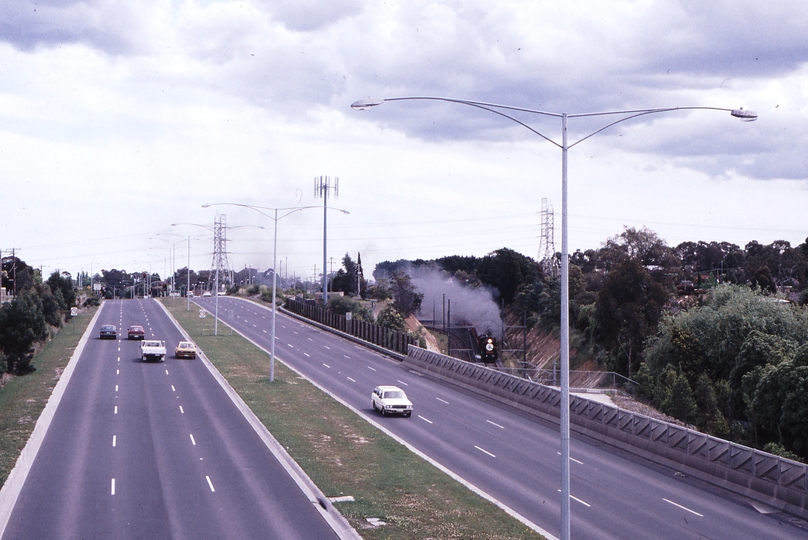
119	118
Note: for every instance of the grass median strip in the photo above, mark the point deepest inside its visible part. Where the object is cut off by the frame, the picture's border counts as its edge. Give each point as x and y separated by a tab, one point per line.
23	398
346	456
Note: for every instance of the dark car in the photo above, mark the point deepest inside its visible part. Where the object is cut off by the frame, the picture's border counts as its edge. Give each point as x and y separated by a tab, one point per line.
108	331
136	332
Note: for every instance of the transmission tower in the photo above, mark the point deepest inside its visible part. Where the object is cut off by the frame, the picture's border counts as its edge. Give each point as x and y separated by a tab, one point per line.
546	244
219	266
322	188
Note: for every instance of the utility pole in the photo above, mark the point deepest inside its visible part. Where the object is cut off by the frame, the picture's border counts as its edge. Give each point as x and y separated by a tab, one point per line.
322	188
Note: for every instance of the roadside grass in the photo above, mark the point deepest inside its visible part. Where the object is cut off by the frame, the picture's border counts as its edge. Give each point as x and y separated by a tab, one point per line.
345	455
22	399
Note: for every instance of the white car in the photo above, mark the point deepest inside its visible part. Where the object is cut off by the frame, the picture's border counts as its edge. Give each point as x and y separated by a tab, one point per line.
206	294
391	400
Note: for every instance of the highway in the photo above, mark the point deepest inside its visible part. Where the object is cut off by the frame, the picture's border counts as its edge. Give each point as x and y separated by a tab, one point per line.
155	450
509	455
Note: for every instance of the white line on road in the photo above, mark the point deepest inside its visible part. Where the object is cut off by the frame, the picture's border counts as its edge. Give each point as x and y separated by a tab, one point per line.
307	355
424	419
116	410
402	382
346	356
116	387
114	440
113	487
442	400
579	500
327	347
210	483
173	389
326	365
117	372
573	459
352	380
371	369
495	424
484	451
192	439
682	507
181	411
166	372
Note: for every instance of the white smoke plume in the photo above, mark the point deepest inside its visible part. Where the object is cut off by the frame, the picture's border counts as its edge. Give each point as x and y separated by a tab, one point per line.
472	306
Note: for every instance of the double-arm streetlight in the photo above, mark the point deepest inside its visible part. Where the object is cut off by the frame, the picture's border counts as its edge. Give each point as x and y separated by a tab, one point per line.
285	212
622	116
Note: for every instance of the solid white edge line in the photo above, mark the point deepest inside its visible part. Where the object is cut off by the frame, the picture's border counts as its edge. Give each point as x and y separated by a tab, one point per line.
16	478
505	508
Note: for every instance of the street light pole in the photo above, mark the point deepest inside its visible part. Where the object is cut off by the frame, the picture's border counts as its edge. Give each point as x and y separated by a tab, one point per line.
504	111
274	218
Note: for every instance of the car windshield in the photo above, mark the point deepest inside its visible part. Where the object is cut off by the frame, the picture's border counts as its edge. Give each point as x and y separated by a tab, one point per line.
394	394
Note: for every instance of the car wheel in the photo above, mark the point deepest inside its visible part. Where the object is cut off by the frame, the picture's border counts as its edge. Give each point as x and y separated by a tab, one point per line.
408	414
373	404
384	412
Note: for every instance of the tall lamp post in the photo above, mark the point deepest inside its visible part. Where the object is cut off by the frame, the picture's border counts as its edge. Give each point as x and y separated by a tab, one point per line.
622	116
275	218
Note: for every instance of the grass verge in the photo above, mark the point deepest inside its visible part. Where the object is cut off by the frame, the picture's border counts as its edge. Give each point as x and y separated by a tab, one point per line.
346	456
23	398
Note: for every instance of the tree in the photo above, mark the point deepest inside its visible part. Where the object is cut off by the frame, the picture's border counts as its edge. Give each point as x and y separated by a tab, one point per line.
628	310
392	319
405	299
61	285
505	270
21	325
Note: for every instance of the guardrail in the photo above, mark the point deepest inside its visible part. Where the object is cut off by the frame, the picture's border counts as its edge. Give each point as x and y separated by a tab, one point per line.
770	479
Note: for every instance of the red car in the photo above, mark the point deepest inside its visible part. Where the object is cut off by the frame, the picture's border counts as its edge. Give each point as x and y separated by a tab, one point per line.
136	332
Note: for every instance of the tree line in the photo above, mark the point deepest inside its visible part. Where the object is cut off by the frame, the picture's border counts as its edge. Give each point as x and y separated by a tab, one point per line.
714	333
36	306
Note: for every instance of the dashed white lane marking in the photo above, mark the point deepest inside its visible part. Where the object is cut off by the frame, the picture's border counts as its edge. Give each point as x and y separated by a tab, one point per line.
579	500
113	487
307	355
402	382
173	389
181	410
495	424
210	483
114	440
442	400
352	380
326	365
193	442
573	459
371	368
424	419
115	410
116	387
484	451
682	507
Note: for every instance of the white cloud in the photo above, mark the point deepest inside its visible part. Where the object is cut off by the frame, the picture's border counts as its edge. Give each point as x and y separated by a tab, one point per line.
119	118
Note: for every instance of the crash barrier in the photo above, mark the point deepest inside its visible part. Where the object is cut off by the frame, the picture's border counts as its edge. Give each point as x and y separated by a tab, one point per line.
776	481
372	333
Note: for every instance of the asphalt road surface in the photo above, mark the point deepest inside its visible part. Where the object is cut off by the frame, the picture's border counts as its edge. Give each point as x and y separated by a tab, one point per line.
510	456
154	450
